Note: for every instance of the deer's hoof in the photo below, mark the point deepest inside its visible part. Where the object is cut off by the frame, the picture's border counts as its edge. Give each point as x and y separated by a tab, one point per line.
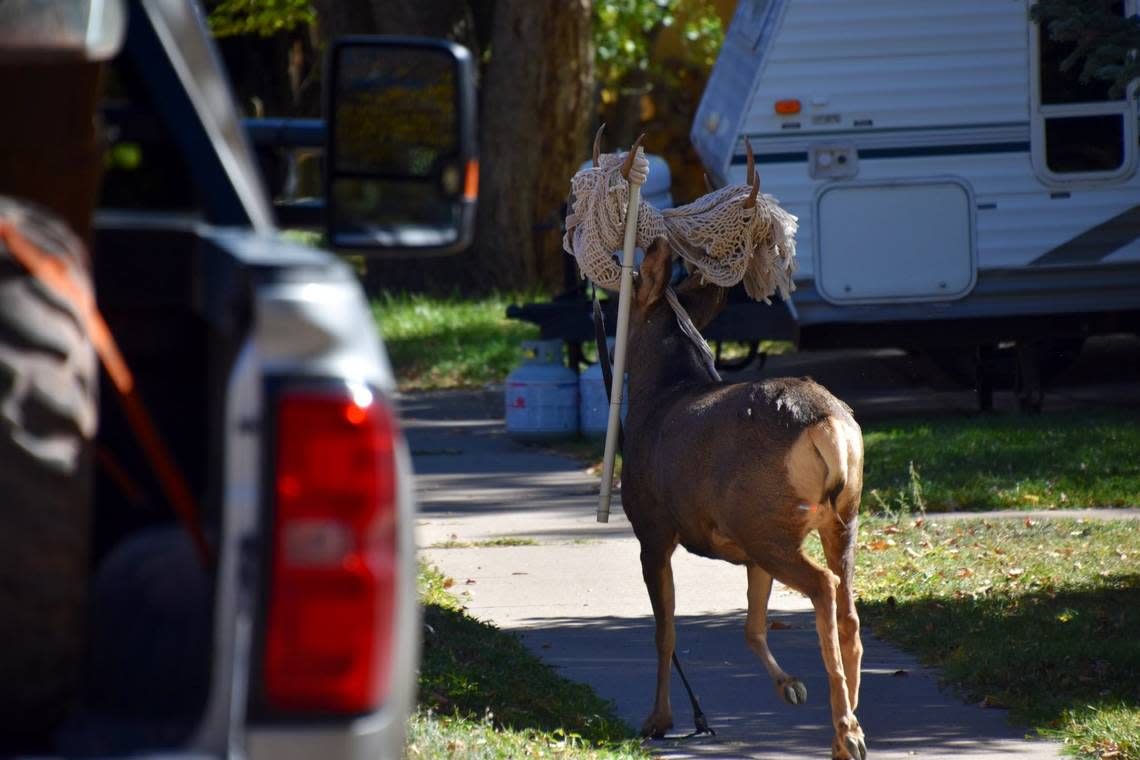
853	747
792	691
656	725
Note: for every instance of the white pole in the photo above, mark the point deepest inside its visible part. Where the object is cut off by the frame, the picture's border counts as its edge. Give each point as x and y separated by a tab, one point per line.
618	383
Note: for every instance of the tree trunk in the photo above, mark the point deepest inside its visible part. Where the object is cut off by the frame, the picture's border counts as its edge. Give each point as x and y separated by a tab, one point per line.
536	110
534	115
341	17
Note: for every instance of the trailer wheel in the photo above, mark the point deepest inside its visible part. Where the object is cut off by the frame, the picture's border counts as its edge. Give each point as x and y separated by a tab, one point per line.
987	367
47	423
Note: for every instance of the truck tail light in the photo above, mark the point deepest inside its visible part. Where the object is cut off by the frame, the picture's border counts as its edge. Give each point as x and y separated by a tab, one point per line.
331	602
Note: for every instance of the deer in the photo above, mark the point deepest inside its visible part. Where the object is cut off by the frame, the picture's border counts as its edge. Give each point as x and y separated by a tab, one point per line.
741	472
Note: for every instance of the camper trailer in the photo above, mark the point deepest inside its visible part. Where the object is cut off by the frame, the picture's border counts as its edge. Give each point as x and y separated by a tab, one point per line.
957	192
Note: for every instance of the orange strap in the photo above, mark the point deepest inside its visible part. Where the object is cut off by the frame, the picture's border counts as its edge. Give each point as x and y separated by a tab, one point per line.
53	273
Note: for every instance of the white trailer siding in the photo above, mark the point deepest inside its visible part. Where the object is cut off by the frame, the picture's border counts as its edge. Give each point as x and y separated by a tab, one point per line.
916	91
900	63
1018	219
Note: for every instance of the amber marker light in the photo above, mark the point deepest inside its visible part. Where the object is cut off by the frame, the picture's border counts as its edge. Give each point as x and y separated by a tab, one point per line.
471	180
787	107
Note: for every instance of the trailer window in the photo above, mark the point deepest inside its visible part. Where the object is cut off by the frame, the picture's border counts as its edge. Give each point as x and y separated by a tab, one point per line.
1084	143
1081	133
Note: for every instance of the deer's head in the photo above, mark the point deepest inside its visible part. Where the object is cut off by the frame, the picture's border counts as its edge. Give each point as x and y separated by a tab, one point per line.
702	300
660	352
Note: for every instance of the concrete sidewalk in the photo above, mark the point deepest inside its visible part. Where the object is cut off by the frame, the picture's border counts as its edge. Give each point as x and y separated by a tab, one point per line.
577	599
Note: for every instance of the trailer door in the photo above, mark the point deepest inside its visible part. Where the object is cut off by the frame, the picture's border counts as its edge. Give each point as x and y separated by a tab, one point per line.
1082	132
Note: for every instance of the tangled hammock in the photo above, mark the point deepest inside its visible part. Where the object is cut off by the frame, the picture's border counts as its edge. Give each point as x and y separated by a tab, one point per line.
717	235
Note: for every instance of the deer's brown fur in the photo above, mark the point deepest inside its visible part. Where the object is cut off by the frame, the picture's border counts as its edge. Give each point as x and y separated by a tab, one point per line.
740	472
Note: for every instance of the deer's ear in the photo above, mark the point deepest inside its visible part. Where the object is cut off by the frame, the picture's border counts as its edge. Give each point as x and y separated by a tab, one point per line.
656	268
703	300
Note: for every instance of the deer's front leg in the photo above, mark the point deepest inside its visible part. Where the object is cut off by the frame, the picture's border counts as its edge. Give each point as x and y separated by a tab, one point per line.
658	573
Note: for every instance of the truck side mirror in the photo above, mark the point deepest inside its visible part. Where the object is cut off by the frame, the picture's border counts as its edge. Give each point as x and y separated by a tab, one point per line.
402	171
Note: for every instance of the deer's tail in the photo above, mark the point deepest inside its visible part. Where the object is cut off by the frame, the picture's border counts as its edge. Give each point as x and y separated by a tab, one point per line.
839	444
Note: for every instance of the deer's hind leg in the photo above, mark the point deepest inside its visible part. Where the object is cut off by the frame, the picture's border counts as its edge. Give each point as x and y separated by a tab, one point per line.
792	568
657	570
790	688
838	541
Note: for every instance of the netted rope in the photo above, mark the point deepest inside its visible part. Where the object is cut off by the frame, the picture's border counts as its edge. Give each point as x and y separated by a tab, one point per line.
694	334
716	235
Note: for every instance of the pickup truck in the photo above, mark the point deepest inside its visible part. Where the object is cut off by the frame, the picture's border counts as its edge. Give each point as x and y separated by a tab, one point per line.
291	629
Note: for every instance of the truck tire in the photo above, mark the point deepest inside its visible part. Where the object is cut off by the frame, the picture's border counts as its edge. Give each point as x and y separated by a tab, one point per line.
48	415
149	667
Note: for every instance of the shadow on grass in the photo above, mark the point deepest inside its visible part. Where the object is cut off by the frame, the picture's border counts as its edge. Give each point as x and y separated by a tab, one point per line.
1040	654
471	668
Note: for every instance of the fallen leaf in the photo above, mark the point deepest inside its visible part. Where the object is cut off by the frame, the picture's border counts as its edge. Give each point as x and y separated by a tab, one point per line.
900	673
1029	523
469	582
448	582
1015	572
991	702
779	625
963	572
880	545
890	530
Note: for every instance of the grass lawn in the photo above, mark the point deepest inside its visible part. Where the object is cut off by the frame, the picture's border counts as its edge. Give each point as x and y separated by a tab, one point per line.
1086	458
483	695
451	342
1040	616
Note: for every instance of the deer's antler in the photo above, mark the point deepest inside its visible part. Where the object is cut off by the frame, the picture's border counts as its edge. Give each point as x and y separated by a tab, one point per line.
598	145
629	159
750	201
